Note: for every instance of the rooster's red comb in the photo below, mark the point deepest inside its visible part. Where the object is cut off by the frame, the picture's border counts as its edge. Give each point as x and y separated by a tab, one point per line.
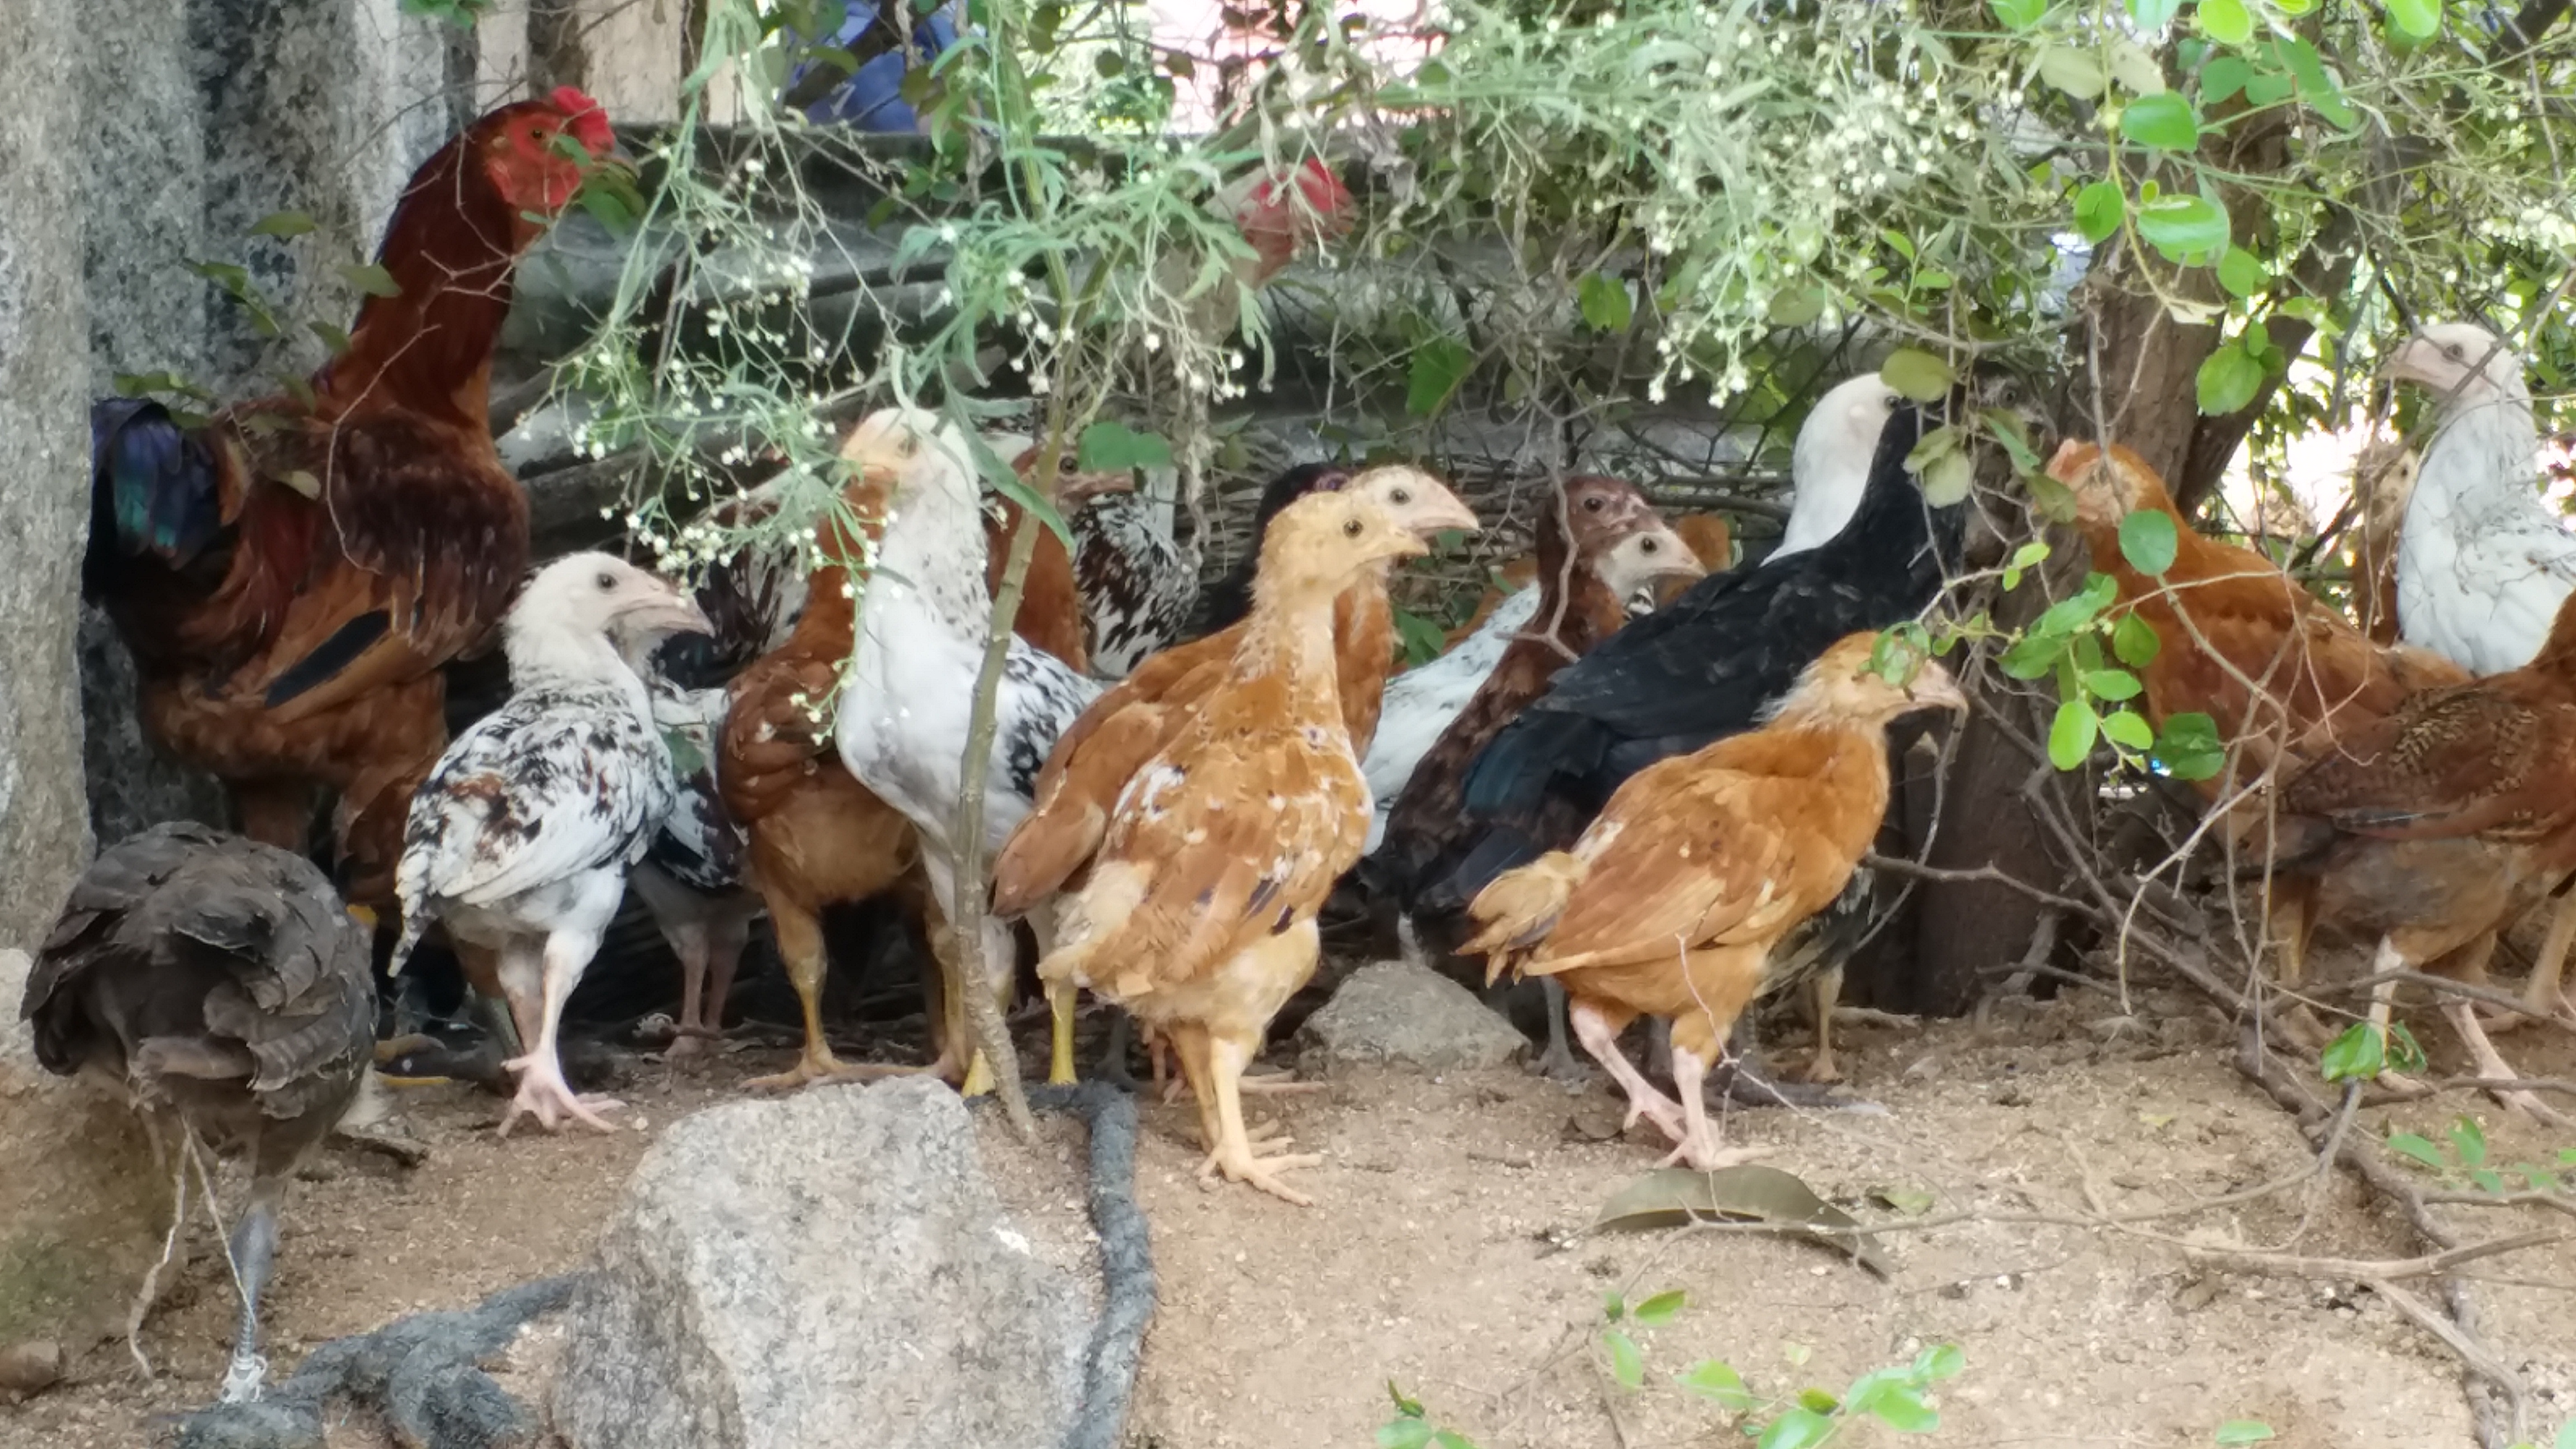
584	117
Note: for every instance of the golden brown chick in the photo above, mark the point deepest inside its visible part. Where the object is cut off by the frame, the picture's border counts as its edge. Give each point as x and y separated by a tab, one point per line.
2274	667
1199	914
1146	711
2436	827
1671	902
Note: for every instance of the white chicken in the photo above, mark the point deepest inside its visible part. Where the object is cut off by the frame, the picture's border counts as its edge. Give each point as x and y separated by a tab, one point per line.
2482	561
901	725
521	838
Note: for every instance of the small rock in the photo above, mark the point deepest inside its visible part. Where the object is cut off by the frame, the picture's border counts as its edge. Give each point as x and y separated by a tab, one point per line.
31	1367
820	1271
1395	1014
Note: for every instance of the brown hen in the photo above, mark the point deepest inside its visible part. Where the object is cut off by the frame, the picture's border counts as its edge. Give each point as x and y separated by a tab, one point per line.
2274	667
2436	827
1707	535
1199	914
1671	902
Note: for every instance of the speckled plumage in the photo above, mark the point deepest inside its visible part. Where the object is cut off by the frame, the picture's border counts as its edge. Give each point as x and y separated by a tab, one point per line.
1138	586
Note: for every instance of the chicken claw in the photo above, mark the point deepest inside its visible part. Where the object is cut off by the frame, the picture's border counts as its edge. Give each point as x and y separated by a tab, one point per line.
1252	1170
1708	1156
544	1095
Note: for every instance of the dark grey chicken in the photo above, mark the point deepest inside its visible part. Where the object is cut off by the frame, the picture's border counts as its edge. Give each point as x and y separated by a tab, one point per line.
220	984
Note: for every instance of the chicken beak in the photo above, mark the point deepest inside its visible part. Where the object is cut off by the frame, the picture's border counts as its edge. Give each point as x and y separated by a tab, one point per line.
1438	514
673	613
1935	689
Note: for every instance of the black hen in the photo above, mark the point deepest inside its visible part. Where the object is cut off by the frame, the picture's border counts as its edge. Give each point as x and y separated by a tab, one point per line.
213	977
1709	666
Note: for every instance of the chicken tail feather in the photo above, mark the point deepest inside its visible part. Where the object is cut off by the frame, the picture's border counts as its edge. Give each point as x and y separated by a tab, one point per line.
155	487
1521	907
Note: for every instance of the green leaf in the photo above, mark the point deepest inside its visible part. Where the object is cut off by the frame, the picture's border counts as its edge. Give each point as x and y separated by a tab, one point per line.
1717	1383
1627	1362
1902	1409
2032	656
2228	23
1819	1400
1796	1429
2135	68
2116	685
1109	446
2079	609
1797	306
1605	304
1410	1408
1451	1439
2166	122
369	278
2301	60
1940	1361
2018	14
2421	1149
1659	1310
2243	1431
2359	1052
2470	1141
1405	1433
2242	273
1439	365
2071	734
332	337
2228	380
1613	1307
1422	639
1916	374
2153	15
2183	227
2228	74
2129	730
2566	1436
2486	1179
283	225
2078	72
2188	747
2417	20
2148	541
2134	642
2098	209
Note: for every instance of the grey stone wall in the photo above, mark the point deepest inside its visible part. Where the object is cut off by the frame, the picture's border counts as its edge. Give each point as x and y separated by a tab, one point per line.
44	322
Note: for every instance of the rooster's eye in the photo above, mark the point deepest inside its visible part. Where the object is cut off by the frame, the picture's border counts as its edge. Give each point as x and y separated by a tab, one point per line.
1402	495
1592	505
1648	547
2452	351
607	582
1351	526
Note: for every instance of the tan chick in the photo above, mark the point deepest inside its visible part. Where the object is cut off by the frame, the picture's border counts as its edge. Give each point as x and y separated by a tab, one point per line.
1199	913
1671	902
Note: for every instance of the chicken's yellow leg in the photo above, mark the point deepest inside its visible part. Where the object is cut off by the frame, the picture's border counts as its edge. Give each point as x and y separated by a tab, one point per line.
1060	1054
1234	1149
800	947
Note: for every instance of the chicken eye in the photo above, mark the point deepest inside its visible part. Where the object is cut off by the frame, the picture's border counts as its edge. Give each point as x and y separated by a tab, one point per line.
607	582
2452	351
1351	526
1648	547
1402	495
1592	505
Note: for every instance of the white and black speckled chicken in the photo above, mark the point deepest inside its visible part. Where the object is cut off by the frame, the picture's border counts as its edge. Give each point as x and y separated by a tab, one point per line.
213	978
901	724
1138	586
522	836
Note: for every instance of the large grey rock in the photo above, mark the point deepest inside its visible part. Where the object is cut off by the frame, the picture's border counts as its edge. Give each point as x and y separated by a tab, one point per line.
82	1205
1396	1014
829	1270
44	466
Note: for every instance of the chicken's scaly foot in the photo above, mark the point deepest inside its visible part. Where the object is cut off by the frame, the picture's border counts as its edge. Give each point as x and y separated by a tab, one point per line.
817	1066
545	1095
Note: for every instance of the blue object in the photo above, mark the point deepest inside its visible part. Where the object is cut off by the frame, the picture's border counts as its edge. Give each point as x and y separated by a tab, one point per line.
871	98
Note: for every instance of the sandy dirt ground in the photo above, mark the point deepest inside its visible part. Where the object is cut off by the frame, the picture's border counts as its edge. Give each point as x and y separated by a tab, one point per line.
1445	1254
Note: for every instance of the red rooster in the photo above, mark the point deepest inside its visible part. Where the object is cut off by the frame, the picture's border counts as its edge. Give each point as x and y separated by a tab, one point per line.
291	575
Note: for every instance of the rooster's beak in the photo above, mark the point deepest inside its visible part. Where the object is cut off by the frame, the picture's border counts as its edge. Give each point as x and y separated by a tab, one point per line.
1935	689
1435	515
